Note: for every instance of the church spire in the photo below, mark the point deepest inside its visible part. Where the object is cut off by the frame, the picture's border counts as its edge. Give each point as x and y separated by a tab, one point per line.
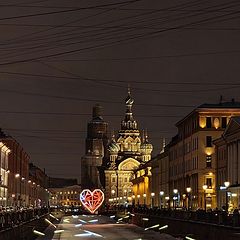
129	123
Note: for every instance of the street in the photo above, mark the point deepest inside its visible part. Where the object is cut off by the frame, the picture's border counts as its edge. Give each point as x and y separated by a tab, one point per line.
97	226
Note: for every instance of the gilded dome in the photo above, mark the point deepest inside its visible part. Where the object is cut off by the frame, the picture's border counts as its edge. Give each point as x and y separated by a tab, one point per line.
113	146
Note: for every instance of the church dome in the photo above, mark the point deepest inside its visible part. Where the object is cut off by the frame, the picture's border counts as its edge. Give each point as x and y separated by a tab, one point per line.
113	146
129	100
146	146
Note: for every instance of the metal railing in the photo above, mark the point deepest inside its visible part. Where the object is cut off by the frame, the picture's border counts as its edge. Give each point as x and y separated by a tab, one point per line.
15	218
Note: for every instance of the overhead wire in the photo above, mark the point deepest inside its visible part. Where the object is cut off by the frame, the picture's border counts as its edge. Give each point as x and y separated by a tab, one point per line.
114	43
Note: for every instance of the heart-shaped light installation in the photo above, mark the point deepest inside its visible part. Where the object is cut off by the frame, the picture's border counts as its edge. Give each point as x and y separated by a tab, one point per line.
92	200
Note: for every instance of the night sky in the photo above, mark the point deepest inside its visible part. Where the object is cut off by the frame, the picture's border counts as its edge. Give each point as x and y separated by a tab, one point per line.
59	58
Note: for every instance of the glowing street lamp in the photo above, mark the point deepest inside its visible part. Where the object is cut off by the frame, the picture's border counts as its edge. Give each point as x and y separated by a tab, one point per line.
189	206
144	198
205	200
175	192
226	184
161	193
152	199
138	197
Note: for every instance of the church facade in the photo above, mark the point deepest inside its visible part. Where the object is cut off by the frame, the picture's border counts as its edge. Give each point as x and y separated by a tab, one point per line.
126	152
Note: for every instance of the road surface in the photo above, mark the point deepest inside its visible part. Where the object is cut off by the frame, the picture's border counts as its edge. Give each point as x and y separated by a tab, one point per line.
87	227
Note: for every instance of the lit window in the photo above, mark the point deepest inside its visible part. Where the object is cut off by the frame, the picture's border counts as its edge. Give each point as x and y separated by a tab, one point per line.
209	161
209	182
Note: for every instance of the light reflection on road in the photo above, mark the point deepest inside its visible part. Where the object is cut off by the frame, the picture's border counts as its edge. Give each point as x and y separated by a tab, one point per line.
87	227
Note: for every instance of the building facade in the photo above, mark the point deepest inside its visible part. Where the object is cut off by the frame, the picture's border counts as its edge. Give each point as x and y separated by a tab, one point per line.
126	152
38	187
18	169
192	158
228	166
65	196
94	160
4	174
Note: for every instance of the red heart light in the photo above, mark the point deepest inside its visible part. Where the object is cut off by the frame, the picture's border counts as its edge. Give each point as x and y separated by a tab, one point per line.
92	200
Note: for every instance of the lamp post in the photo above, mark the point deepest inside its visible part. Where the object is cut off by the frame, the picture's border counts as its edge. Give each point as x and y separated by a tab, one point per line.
17	176
133	200
144	199
161	193
138	197
152	199
113	193
226	184
189	205
175	192
167	202
204	194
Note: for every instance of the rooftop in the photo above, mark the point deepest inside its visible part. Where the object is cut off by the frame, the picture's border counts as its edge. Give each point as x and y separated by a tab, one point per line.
231	104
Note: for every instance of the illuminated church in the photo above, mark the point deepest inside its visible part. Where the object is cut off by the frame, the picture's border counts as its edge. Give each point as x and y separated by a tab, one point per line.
126	152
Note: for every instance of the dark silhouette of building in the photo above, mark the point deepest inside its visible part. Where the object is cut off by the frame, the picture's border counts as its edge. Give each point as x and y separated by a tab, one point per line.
94	160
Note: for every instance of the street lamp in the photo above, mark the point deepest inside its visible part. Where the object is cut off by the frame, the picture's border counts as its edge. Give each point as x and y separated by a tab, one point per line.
205	200
144	198
161	193
175	192
188	189
226	184
17	176
152	199
138	196
133	200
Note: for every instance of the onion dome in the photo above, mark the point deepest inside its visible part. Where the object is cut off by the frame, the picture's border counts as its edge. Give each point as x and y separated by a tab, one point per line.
113	146
129	123
146	146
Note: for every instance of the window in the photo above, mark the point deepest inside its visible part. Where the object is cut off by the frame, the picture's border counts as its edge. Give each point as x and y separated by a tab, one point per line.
209	161
125	179
208	122
224	122
113	179
209	182
208	141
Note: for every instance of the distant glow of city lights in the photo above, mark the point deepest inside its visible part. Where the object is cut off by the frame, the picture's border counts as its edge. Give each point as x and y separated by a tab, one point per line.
175	191
92	200
226	184
17	175
145	219
113	216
